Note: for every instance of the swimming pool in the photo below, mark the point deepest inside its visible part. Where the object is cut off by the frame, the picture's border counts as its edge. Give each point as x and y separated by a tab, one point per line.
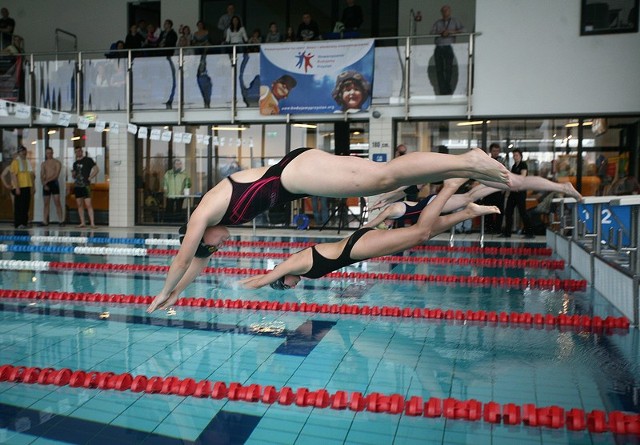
345	359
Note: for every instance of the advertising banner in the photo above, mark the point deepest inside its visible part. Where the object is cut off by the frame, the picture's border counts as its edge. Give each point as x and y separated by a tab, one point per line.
316	77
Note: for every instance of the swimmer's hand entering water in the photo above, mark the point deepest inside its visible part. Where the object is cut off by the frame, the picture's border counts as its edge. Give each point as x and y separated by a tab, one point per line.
163	302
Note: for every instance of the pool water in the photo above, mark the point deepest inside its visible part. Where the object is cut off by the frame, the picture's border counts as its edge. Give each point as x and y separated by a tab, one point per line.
503	363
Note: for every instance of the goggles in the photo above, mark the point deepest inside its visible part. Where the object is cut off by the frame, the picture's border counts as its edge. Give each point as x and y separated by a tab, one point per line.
204	250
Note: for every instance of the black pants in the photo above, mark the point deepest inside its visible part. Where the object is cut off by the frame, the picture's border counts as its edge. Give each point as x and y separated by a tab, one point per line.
493	223
173	212
444	68
21	205
517	200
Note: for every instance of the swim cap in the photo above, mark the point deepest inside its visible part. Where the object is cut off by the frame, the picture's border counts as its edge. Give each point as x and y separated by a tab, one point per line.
279	284
204	250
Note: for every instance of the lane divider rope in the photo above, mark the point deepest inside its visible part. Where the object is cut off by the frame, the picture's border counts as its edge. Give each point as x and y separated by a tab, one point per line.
528	414
142	252
582	323
464	280
508	251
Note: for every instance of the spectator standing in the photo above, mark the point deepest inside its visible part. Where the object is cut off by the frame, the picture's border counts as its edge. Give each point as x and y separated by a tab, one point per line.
151	39
84	170
256	39
494	221
15	48
22	180
168	38
134	39
49	174
273	36
7	27
142	29
290	36
446	27
184	40
174	183
235	32
308	29
352	16
517	200
225	20
201	36
7	180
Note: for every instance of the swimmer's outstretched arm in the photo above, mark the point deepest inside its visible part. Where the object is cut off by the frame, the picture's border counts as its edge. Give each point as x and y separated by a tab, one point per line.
182	263
194	270
389	197
297	264
392	211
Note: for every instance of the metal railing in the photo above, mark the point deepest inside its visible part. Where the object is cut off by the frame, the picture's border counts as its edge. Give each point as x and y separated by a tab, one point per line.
67	81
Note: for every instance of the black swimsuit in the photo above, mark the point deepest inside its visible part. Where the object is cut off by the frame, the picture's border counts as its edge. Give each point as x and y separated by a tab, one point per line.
322	266
249	199
413	211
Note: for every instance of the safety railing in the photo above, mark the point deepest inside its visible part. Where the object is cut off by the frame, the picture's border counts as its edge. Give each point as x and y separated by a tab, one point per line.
224	78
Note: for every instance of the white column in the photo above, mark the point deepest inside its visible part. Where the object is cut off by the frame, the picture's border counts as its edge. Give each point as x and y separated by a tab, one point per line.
121	179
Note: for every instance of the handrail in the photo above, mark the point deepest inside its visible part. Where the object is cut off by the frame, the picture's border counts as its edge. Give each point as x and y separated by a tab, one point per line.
230	45
127	55
62	31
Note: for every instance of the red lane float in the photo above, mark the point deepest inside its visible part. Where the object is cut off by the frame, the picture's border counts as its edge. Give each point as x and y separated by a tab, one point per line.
582	323
553	417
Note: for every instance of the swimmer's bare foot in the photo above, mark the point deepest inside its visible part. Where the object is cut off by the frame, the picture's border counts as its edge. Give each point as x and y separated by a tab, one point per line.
485	168
571	191
478	210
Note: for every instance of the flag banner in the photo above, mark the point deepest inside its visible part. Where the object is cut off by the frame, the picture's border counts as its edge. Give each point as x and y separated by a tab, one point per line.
64	119
316	77
166	136
83	122
155	134
46	115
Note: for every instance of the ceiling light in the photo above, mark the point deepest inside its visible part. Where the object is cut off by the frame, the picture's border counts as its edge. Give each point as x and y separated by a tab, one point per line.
464	124
305	125
51	132
75	138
